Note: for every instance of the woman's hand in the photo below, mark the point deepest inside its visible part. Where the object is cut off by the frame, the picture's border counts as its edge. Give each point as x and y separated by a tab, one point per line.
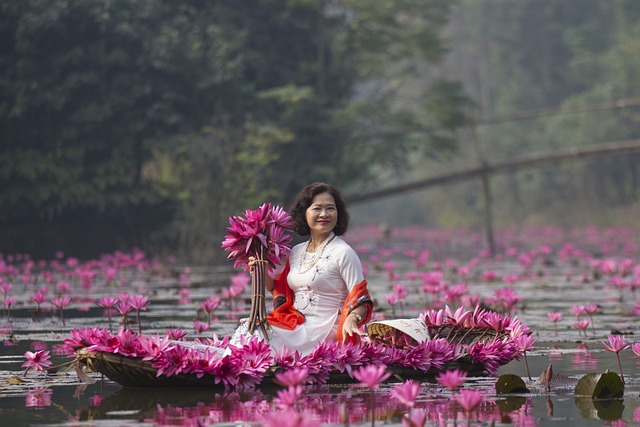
252	263
350	326
268	280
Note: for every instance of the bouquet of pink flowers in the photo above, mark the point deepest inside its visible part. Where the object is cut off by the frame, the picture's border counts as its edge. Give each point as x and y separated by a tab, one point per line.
263	234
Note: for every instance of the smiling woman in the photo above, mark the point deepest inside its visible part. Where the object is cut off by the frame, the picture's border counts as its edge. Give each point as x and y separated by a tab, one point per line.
321	293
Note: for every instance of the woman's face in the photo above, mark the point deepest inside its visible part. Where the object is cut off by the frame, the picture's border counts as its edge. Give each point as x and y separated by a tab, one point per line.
322	215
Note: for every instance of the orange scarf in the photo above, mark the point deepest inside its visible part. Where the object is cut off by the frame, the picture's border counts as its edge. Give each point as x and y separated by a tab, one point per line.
285	315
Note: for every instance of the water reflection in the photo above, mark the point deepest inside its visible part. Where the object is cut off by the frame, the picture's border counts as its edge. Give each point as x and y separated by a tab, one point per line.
346	405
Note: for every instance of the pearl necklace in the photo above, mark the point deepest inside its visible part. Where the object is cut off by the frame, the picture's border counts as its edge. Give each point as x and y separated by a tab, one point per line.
306	266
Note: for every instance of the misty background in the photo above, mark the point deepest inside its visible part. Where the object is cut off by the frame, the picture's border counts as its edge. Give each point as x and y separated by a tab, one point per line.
148	123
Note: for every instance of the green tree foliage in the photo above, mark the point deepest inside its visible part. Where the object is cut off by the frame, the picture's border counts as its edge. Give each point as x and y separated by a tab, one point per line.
89	87
212	107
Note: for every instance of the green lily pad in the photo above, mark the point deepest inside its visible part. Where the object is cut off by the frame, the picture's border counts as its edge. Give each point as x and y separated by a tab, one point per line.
510	384
607	385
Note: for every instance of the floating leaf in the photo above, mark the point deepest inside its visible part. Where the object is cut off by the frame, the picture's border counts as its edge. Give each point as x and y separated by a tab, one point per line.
510	384
607	385
15	381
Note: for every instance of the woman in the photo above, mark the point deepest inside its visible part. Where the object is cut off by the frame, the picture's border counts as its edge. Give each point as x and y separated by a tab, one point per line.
321	294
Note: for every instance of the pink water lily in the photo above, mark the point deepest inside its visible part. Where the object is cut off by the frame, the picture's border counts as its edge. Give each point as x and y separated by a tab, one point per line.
139	303
524	344
266	227
371	375
108	303
38	361
452	379
60	303
292	377
582	325
616	345
554	316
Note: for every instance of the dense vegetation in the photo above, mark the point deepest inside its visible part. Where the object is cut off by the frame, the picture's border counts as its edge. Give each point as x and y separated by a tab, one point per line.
524	56
166	117
149	122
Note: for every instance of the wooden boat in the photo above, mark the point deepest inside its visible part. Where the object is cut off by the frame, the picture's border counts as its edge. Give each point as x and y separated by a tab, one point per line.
133	372
401	335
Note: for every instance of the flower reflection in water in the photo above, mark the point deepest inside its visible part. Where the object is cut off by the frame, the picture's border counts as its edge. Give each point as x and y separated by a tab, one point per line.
583	358
314	406
38	398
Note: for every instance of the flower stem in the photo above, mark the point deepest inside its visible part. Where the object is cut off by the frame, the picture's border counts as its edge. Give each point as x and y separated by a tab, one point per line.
526	364
620	366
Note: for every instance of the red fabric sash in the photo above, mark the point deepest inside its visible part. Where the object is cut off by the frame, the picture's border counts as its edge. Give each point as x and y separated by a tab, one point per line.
285	315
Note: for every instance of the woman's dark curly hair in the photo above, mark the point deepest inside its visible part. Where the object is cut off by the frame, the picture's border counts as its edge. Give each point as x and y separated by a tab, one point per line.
303	200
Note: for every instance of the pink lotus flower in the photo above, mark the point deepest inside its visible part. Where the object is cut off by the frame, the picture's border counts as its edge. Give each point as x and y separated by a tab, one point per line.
266	227
173	361
199	326
153	346
525	343
38	361
60	303
577	310
204	362
582	325
6	289
392	299
8	303
292	377
508	297
452	379
554	316
39	297
176	334
108	303
616	345
591	309
406	393
371	375
635	347
139	303
209	305
469	399
63	287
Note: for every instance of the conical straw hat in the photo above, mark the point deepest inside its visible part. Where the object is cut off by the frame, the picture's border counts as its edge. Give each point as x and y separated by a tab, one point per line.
415	328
